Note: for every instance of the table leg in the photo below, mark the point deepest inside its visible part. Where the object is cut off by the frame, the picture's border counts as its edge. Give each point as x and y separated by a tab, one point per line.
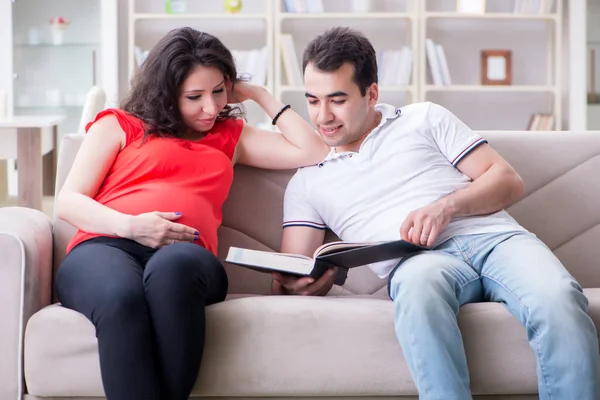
49	162
3	180
29	165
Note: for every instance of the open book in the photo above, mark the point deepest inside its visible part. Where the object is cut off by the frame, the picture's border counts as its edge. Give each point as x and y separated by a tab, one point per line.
343	255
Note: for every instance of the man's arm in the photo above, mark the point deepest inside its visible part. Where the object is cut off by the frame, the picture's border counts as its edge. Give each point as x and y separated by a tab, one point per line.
495	186
302	240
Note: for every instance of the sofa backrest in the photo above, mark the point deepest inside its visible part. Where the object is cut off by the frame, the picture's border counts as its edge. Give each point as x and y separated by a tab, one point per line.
62	230
561	206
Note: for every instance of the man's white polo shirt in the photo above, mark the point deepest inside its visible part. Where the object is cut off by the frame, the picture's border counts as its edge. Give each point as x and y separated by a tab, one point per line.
405	163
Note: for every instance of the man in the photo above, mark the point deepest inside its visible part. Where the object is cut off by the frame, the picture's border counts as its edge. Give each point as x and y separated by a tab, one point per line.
419	173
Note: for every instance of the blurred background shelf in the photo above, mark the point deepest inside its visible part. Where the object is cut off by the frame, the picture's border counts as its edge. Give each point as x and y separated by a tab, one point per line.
56	47
347	15
490	88
492	15
223	15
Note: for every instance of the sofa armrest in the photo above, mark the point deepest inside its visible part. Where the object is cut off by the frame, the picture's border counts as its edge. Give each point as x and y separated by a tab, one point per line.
25	286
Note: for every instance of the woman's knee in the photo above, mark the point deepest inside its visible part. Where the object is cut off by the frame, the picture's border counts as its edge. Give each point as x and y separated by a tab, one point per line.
110	301
121	302
72	271
184	263
98	282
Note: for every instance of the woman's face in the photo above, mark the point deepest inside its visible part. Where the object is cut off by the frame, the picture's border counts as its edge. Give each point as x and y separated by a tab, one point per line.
202	98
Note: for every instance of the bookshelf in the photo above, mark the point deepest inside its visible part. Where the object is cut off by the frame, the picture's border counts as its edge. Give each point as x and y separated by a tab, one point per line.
245	32
535	38
390	25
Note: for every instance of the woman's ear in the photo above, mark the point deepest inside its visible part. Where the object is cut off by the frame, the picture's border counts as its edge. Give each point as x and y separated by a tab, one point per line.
373	93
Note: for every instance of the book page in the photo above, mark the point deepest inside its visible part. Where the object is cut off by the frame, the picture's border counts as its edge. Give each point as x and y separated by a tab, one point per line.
332	247
292	263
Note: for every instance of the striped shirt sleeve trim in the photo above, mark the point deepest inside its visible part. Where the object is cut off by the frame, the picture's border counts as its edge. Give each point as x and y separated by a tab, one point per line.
467	150
309	224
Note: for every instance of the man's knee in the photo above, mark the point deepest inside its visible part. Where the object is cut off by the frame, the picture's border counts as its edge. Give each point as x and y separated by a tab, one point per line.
433	280
558	303
421	275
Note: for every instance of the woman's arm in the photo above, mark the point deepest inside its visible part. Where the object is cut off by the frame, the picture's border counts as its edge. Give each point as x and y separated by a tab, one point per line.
75	203
297	145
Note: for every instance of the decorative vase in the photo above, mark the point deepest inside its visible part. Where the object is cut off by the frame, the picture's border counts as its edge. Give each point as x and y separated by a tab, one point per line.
57	32
233	6
58	25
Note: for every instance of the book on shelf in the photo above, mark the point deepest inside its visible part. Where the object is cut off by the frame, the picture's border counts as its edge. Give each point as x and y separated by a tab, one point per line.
541	122
533	6
303	6
395	66
438	64
140	55
291	62
344	255
253	63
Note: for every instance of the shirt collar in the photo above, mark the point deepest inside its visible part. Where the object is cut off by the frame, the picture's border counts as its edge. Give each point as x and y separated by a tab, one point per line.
387	112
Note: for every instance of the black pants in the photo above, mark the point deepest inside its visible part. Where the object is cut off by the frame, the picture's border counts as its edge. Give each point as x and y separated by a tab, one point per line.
148	309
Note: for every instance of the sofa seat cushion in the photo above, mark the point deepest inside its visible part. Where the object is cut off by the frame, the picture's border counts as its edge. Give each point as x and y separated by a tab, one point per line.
293	346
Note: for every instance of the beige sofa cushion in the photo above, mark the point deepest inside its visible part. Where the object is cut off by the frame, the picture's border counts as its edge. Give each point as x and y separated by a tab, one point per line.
341	346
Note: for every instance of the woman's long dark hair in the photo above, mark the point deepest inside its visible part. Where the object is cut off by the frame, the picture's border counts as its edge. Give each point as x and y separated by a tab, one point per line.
155	87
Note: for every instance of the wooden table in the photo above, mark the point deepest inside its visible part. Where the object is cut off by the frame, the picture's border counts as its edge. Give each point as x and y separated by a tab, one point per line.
29	154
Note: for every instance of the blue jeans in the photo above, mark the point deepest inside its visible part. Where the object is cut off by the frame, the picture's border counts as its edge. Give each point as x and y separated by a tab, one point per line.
513	268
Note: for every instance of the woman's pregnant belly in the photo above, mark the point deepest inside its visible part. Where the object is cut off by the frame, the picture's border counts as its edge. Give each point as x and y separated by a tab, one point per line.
197	211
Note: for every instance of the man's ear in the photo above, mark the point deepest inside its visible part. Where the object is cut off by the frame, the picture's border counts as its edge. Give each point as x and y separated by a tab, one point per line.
373	94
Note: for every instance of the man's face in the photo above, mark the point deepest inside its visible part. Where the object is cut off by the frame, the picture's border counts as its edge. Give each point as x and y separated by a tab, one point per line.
335	106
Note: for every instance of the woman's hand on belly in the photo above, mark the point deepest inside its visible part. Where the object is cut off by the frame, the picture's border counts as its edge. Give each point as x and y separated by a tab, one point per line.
156	229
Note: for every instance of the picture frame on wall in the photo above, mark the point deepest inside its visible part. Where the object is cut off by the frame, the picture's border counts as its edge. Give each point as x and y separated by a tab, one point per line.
470	6
496	67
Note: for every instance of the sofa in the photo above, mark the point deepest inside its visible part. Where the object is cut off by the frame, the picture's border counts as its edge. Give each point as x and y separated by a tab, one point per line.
339	346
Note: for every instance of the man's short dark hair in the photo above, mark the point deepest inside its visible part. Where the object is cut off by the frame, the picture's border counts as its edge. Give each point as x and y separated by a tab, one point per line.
329	51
